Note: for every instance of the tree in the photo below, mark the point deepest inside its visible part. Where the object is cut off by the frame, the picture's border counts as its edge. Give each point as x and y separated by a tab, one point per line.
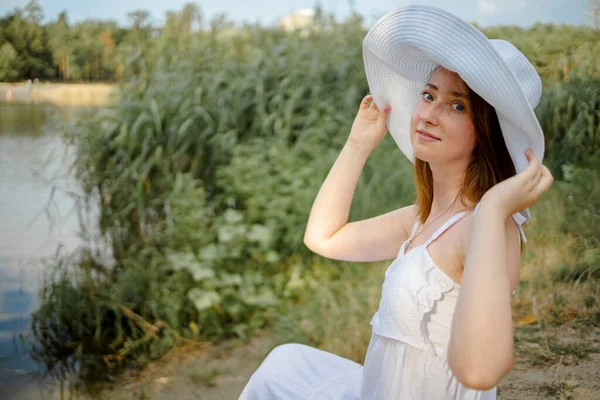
60	38
29	40
141	28
33	12
8	63
594	11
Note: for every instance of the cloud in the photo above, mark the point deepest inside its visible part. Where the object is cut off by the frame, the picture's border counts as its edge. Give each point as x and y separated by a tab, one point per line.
489	7
486	7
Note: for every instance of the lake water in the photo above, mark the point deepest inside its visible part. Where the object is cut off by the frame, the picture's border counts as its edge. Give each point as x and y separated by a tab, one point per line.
37	216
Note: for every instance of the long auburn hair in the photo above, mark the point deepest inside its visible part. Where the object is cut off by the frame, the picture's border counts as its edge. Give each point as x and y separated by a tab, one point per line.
490	161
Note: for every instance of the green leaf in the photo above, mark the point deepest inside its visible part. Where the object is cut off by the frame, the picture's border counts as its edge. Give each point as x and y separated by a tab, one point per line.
260	233
209	253
202	299
232	216
265	298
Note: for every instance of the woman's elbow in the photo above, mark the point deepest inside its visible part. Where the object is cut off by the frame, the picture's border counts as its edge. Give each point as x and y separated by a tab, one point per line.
314	246
477	380
481	378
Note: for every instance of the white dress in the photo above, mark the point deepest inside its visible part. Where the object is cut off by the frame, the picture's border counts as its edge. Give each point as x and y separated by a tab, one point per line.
406	357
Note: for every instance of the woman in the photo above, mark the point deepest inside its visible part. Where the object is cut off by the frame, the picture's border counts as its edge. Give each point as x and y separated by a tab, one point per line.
444	326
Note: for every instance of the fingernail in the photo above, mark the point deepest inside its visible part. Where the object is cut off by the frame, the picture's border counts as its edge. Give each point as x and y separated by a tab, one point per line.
387	109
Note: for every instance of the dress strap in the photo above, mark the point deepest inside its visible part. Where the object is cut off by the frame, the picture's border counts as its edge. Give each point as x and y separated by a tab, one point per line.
414	229
520	218
454	219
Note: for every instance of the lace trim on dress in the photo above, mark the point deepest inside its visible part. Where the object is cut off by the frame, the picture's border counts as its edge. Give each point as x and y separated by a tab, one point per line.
435	284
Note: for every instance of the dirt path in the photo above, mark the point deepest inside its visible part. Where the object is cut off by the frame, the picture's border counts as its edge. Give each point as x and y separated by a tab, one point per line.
580	381
551	363
218	372
554	363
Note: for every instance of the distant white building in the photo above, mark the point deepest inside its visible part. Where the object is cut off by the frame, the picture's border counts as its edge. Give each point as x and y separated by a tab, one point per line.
301	19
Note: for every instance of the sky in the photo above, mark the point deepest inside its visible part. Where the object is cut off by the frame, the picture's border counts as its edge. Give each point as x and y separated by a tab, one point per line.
267	12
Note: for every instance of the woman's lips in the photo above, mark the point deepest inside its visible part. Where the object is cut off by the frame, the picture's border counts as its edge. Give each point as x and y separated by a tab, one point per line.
426	136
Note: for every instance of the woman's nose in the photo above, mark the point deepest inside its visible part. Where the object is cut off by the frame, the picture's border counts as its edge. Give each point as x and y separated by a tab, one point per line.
430	113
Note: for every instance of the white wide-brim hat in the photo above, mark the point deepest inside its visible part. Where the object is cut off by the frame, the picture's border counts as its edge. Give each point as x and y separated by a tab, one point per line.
403	48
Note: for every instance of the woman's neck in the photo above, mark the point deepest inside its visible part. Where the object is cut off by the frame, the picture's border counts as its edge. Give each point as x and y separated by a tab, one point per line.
447	182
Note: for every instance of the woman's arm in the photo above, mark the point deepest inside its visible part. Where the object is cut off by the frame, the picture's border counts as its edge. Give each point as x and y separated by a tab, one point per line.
328	232
481	349
331	207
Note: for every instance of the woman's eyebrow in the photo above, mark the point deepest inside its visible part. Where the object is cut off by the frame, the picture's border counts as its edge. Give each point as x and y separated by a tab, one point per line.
453	93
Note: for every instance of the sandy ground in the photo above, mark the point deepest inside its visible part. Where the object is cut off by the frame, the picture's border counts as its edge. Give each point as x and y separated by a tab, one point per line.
60	94
551	363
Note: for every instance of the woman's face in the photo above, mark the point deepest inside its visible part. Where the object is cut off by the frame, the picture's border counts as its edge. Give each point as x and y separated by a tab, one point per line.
445	112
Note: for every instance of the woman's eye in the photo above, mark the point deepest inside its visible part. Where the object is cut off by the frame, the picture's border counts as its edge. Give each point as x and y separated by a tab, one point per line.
427	96
458	107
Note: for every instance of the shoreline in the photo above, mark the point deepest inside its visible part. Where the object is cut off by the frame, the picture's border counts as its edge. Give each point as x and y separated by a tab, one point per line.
59	94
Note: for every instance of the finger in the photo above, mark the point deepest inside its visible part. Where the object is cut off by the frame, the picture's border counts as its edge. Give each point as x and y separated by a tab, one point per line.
538	173
364	104
543	185
540	169
381	119
533	168
545	181
373	106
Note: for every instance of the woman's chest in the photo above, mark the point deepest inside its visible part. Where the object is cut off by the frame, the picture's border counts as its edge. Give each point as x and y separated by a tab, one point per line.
413	287
446	253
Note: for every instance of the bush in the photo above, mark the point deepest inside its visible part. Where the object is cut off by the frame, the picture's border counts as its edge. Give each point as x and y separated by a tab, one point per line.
569	113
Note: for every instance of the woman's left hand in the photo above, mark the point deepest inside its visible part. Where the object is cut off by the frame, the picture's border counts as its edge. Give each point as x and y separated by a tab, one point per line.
518	192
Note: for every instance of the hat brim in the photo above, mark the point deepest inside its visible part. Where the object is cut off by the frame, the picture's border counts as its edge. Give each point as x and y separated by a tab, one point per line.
403	48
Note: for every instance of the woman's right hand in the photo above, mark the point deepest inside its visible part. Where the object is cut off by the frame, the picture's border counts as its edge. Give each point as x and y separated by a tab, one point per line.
369	127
